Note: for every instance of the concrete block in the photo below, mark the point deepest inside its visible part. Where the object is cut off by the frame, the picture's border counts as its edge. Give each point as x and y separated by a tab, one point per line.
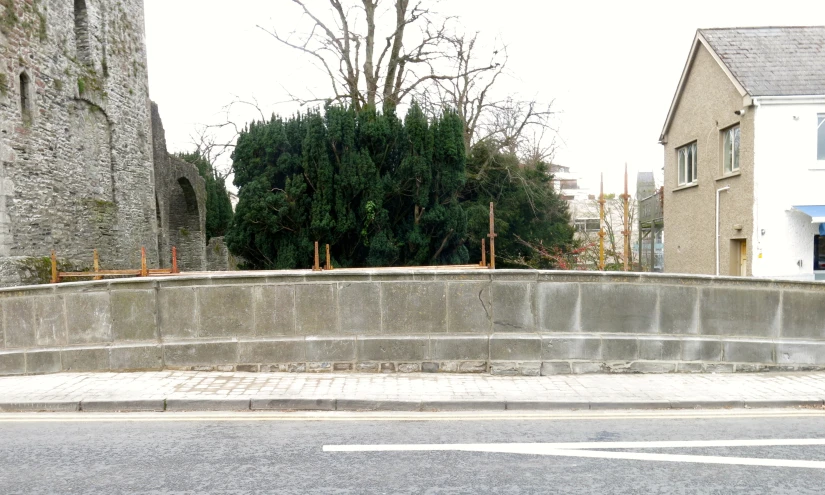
38	362
359	308
46	406
678	310
149	357
630	404
287	404
515	347
555	348
89	318
207	404
316	309
93	359
701	350
513	307
207	354
177	313
739	312
376	405
133	316
558	307
706	404
740	351
326	349
620	349
541	405
286	350
618	308
413	348
463	405
18	322
801	315
414	307
469	308
549	368
274	310
122	405
660	349
652	367
459	347
50	321
800	353
226	311
13	363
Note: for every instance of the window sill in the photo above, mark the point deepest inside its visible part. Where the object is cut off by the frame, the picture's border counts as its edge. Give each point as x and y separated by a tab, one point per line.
728	176
686	186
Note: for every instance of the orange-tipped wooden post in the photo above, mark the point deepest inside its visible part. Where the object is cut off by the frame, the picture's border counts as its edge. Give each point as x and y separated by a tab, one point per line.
316	267
144	272
484	253
175	260
97	265
329	260
492	236
55	276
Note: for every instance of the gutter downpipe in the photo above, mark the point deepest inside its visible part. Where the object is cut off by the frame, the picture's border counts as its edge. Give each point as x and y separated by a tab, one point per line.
718	192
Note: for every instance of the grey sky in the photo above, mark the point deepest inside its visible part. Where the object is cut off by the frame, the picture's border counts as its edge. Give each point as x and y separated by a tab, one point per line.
610	67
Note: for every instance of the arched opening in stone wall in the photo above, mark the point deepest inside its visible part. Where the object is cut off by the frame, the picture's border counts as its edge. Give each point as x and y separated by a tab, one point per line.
25	97
184	226
81	31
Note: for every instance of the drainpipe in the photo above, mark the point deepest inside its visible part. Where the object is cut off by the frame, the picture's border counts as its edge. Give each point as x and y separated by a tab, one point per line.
718	192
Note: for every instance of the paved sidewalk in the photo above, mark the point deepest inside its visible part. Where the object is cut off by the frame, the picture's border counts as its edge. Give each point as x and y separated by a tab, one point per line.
179	391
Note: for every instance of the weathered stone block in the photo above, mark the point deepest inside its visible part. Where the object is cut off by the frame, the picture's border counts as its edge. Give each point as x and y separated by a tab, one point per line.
549	368
38	362
413	348
324	349
530	369
691	367
287	350
572	347
12	364
414	307
459	348
149	357
558	307
94	359
409	367
652	367
678	309
429	367
448	367
178	313
472	367
50	321
740	351
739	312
274	310
660	349
801	315
584	367
359	308
620	349
133	316
513	307
719	368
226	311
800	353
89	318
701	350
207	354
504	369
468	307
618	308
368	367
515	347
316	309
319	367
18	322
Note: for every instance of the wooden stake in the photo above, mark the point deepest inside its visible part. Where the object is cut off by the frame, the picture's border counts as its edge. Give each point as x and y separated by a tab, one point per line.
144	272
55	277
484	253
175	260
97	265
492	236
317	266
329	260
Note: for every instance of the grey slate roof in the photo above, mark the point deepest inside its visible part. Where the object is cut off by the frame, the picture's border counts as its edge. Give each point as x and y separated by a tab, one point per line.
773	61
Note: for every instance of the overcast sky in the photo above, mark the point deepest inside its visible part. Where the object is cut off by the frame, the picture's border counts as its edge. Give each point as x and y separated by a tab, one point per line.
609	67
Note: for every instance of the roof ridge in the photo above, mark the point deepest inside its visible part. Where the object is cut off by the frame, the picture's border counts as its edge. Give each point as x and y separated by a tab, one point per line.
759	27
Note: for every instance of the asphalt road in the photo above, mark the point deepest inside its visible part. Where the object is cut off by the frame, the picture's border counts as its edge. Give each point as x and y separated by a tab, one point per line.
284	453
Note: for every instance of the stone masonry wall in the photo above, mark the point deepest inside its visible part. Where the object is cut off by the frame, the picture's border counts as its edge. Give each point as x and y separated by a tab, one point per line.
501	322
76	168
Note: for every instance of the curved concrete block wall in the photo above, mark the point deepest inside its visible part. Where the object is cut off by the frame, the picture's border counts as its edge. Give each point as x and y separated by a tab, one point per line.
503	322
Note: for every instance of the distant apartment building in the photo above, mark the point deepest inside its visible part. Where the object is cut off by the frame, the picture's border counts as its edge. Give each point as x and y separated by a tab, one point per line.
744	145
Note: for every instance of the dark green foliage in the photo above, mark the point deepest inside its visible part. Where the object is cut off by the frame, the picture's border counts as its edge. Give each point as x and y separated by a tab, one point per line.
218	205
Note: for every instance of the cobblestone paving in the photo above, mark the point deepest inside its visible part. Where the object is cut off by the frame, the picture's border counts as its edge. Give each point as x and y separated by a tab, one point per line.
412	387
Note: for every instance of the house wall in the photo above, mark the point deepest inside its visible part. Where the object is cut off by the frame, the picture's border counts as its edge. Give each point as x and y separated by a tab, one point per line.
705	109
787	174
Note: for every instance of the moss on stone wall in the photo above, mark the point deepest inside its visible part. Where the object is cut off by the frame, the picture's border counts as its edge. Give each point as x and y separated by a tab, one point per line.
8	18
4	84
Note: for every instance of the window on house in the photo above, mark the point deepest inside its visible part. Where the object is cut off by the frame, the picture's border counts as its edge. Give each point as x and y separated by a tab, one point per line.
730	150
25	97
588	224
687	164
81	30
820	137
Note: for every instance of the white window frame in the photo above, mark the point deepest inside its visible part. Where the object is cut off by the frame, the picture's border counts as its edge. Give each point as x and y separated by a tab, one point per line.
581	224
731	146
820	141
686	164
